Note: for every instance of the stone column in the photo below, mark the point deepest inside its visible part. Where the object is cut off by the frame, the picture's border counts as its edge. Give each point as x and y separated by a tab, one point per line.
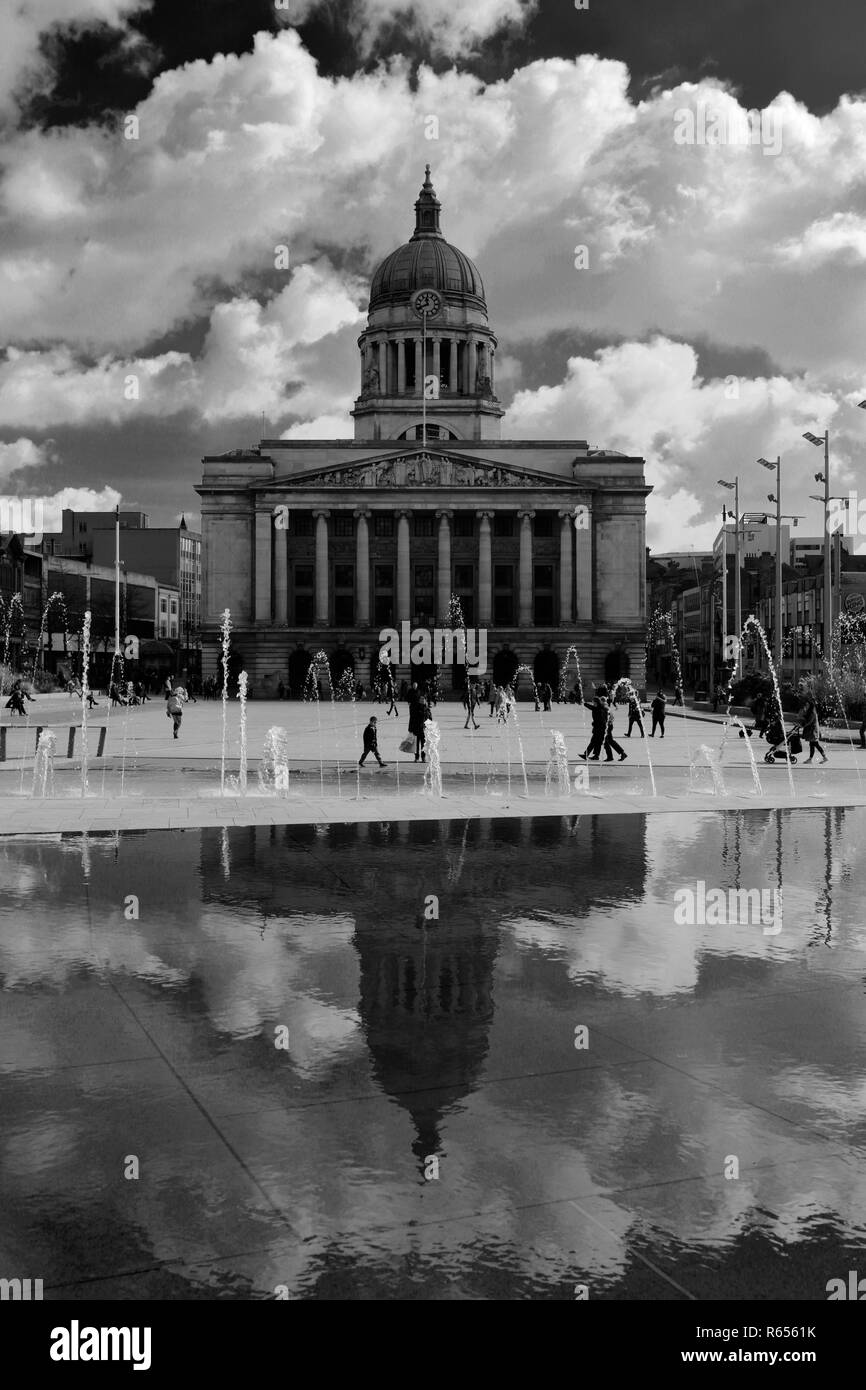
443	571
524	616
362	569
419	369
383	368
281	572
485	571
404	595
565	570
437	363
401	365
452	368
264	527
322	596
583	562
470	366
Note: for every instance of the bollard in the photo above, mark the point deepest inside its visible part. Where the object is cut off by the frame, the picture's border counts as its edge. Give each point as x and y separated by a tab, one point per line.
2	745
102	732
71	744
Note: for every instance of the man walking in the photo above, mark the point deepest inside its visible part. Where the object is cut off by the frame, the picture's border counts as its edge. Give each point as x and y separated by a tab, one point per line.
371	744
599	710
659	710
470	703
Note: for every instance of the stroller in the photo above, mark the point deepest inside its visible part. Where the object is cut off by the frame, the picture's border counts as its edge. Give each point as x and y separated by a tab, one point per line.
777	740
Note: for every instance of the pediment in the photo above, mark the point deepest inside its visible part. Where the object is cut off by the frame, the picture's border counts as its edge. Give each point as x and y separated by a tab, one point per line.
425	468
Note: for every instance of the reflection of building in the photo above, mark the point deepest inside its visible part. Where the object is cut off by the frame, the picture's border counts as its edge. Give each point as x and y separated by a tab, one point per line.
320	544
426	993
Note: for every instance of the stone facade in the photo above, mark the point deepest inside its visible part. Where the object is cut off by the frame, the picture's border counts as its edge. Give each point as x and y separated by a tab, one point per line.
320	545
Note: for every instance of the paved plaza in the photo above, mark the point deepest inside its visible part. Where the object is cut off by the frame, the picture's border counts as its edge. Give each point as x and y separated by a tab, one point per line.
147	779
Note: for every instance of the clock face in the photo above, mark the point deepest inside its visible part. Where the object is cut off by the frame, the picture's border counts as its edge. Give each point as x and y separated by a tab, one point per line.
426	303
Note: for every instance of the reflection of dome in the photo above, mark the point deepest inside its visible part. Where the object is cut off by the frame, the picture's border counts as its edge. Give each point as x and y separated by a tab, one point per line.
426	1007
428	261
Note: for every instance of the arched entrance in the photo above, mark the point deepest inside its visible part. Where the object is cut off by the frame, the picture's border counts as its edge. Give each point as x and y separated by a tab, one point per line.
616	665
299	665
545	667
505	663
341	662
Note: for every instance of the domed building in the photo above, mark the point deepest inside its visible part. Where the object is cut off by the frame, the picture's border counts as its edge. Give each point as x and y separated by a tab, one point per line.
427	339
325	544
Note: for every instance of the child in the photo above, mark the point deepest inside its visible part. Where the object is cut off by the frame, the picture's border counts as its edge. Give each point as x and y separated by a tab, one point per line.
371	744
174	708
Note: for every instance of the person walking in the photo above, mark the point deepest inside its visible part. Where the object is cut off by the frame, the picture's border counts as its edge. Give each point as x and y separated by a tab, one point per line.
493	699
174	709
808	717
759	710
392	699
678	693
610	744
371	743
634	716
599	711
419	713
470	703
659	710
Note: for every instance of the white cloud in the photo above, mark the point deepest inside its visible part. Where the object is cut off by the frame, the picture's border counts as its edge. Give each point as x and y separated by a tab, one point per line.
444	26
648	399
22	453
24	22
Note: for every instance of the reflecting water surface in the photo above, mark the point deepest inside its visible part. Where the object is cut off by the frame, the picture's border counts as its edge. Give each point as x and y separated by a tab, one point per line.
456	1060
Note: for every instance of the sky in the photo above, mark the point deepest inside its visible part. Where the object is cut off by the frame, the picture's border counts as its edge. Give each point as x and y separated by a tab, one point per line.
710	161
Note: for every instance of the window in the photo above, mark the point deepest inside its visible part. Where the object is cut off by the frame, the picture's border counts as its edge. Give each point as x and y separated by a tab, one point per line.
543	525
464	576
542	607
344	576
344	610
301	523
303	576
423	576
304	610
464	524
503	599
424	526
383	525
344	525
162	606
503	524
384	576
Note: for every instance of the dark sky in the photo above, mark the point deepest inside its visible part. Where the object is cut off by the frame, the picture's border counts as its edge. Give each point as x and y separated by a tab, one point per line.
814	50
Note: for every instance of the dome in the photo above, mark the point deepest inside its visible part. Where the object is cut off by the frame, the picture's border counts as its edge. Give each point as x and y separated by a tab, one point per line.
428	261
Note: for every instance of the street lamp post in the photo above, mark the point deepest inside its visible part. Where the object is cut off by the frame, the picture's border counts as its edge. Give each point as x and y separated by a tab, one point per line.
738	596
823	441
777	613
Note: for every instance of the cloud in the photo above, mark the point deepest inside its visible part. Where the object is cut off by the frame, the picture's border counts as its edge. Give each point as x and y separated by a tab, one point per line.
20	454
23	23
649	399
442	26
114	245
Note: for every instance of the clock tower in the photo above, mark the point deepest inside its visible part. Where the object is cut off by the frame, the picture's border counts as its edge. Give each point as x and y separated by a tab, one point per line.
428	351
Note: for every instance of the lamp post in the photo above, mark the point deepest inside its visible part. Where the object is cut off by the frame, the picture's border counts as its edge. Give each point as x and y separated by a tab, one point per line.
777	613
823	441
738	597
